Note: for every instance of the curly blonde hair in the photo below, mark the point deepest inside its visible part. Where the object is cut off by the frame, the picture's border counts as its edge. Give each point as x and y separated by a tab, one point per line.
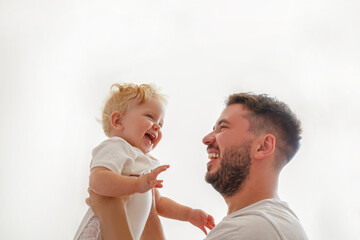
120	97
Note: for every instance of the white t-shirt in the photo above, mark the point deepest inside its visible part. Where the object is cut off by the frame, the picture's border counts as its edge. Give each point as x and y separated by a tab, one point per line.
120	157
269	219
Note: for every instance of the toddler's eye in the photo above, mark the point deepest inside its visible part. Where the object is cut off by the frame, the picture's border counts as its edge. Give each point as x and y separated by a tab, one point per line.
150	116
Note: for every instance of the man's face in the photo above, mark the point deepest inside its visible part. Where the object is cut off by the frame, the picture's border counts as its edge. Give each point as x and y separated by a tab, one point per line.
228	147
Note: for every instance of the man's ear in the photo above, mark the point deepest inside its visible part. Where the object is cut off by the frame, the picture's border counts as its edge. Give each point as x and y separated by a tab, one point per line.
265	147
116	119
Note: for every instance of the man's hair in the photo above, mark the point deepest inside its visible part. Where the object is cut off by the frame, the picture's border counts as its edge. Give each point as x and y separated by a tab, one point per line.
268	115
120	97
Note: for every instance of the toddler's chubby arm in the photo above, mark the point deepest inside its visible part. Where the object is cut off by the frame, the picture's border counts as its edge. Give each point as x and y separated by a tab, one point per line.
171	209
107	183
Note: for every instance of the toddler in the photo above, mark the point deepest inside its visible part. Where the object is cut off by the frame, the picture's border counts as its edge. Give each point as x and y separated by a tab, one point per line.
132	118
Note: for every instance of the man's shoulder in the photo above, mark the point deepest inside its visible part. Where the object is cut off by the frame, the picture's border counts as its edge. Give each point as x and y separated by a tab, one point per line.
244	226
266	219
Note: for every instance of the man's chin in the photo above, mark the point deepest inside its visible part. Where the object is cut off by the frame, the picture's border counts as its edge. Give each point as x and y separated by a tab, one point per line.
210	174
210	170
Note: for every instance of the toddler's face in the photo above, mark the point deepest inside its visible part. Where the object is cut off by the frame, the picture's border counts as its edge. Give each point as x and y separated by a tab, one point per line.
142	124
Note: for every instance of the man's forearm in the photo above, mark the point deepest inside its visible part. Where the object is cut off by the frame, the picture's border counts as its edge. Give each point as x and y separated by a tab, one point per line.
153	228
112	216
113	229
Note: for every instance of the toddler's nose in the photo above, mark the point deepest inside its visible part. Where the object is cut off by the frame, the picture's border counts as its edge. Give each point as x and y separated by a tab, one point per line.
156	126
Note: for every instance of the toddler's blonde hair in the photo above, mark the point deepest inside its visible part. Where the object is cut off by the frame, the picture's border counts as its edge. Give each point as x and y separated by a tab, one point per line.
120	97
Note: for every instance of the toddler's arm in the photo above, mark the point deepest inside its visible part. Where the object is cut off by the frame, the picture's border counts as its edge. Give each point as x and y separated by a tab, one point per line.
107	183
171	209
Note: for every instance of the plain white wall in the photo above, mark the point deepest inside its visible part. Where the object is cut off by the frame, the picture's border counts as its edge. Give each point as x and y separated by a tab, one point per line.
59	58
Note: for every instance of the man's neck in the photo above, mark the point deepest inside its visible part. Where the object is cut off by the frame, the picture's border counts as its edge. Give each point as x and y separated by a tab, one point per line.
250	193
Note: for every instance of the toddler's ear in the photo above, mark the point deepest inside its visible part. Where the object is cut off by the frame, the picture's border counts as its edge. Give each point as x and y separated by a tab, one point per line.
116	120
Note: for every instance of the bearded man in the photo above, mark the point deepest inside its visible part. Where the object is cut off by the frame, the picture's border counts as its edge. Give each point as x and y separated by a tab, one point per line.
253	139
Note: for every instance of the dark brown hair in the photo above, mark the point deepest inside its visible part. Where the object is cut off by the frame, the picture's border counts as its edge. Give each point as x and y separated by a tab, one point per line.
269	115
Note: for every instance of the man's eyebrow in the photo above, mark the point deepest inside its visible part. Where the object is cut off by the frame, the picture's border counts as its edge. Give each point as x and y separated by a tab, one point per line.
221	122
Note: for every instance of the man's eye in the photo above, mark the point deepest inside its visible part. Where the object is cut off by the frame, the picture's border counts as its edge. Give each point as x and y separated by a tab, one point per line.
222	127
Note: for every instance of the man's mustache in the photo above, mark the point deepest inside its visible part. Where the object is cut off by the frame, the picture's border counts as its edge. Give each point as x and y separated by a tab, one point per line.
212	146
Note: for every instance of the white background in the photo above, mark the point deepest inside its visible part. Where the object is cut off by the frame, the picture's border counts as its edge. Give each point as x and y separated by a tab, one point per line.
59	58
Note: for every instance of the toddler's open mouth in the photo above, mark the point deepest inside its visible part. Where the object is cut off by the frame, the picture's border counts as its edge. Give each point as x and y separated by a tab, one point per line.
151	137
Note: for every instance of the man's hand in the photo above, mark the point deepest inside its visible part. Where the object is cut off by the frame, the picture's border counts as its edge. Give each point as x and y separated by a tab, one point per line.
149	180
112	215
201	220
99	204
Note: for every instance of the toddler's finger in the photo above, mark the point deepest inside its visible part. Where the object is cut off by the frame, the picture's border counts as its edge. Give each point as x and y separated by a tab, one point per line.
158	183
209	226
212	221
204	230
160	169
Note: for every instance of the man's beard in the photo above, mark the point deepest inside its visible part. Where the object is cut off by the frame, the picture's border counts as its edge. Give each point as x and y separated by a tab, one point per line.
233	171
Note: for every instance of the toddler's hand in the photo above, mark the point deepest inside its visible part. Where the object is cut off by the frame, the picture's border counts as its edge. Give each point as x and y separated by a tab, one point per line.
201	220
149	180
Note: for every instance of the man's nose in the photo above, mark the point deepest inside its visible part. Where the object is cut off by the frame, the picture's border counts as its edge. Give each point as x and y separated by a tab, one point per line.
209	139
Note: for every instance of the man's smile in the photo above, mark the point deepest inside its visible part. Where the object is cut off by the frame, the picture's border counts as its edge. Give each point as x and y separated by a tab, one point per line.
213	155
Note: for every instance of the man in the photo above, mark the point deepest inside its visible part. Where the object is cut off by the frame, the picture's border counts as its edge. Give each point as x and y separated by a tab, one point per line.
253	139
